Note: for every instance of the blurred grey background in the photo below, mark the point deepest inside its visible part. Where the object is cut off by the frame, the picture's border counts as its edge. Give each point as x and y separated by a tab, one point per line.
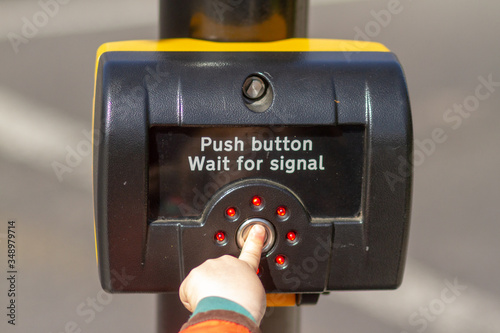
449	49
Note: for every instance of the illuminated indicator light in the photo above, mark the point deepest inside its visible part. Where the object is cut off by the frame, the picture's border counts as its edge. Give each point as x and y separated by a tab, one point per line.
256	201
291	236
258	271
281	211
280	260
231	212
220	236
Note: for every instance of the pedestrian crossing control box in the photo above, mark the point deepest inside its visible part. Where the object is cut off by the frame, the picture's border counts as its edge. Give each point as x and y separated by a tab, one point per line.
196	141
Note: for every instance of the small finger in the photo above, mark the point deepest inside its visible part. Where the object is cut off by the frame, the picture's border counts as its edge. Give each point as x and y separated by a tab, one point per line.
252	249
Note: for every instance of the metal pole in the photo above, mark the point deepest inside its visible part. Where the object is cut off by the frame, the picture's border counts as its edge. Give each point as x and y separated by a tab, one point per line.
234	20
231	21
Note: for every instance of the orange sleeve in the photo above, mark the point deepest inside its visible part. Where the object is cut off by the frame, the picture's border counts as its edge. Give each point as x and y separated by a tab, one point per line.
220	321
216	326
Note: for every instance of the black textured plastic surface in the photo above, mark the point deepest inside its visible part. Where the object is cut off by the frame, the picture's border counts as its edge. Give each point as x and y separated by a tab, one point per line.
136	91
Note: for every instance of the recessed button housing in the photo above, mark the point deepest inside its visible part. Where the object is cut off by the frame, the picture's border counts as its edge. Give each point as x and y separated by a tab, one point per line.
245	228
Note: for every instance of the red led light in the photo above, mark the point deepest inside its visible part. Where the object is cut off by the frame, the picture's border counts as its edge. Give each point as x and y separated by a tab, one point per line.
291	236
281	211
256	201
220	237
231	212
258	271
280	260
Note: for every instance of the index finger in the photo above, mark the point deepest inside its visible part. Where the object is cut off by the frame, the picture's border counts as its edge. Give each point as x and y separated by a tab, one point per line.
252	249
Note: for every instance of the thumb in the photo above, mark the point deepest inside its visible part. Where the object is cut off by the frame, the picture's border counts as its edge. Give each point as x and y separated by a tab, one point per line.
252	249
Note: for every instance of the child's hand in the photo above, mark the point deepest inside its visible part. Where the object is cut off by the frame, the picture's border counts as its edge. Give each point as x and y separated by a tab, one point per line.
230	278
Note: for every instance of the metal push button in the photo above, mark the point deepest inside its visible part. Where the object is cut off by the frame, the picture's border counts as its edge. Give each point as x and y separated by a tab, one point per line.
245	228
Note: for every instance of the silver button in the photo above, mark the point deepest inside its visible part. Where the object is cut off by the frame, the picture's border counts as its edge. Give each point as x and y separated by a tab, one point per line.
245	228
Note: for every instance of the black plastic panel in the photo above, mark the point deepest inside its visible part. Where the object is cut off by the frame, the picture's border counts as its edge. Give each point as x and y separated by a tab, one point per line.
188	165
361	97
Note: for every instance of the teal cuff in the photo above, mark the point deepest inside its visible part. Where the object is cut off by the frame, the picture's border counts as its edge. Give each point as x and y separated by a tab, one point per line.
219	303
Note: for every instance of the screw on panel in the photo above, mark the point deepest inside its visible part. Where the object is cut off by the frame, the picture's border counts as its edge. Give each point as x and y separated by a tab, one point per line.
254	88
